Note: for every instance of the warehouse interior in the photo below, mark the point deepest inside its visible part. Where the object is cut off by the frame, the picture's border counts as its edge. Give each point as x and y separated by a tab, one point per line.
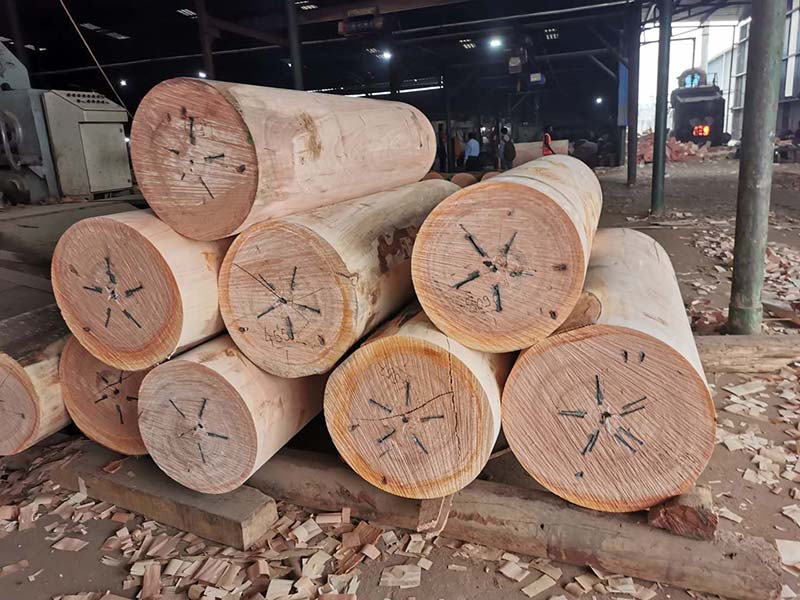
399	299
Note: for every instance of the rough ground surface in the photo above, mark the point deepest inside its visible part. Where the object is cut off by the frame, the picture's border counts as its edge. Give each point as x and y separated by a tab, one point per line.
707	192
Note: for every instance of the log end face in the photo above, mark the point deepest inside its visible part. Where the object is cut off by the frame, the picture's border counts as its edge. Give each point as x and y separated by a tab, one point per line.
197	428
288	300
20	407
410	418
101	400
117	294
498	266
194	158
609	418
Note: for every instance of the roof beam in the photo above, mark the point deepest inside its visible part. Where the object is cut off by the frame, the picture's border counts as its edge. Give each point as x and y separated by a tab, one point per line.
246	31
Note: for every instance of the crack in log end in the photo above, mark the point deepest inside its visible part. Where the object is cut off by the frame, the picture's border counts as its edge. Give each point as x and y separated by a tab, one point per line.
418	442
202	408
387	436
591	442
630	434
625	356
431	418
634	403
553	315
95	288
130	316
217	435
108	317
119	412
200	177
641	357
266	312
508	245
472	241
294	277
471	277
560	267
202	454
498	305
579	414
214	157
289	328
598	394
408	394
192	136
241	169
624	442
109	272
175	406
630	412
395	247
378	404
132	291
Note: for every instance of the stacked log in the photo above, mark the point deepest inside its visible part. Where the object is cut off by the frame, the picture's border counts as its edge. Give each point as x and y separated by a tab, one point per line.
210	417
213	158
133	291
297	292
463	180
414	412
499	265
615	415
31	406
102	401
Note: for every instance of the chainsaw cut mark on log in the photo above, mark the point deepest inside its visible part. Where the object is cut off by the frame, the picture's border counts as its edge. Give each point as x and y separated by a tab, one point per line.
102	401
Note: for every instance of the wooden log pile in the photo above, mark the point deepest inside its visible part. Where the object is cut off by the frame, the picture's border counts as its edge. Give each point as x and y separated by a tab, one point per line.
209	352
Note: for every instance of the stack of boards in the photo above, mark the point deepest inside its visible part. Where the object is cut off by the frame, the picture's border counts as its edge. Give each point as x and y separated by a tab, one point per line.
295	261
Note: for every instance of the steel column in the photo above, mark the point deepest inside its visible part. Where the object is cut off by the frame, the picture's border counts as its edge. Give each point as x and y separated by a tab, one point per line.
662	97
16	34
206	39
633	25
755	165
294	44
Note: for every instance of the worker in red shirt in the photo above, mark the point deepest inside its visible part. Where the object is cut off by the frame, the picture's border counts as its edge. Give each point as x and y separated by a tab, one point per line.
547	149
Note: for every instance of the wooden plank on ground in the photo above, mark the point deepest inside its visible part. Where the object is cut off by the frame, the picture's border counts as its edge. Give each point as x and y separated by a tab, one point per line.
538	524
747	353
26	279
237	519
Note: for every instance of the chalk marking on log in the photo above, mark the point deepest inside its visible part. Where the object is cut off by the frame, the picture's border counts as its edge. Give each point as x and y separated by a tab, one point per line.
289	327
426	419
591	442
119	412
130	316
631	411
202	408
109	272
132	291
624	442
471	277
386	408
108	316
419	443
498	305
202	455
580	414
408	393
103	378
200	177
387	436
96	289
472	241
634	403
180	412
630	434
598	392
217	435
508	245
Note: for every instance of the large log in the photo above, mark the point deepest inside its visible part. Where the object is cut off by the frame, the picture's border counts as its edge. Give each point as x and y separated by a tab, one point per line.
413	412
102	401
535	523
616	415
133	291
210	417
500	265
213	158
747	353
297	292
31	407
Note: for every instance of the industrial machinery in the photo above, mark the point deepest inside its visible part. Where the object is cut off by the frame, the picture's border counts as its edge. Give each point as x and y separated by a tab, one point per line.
698	109
57	144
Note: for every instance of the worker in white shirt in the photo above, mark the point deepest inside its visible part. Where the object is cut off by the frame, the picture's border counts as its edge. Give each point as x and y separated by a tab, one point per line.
471	154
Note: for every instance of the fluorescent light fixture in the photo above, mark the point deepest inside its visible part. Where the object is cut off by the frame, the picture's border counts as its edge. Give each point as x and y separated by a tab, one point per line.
118	36
305	5
421	89
4	39
386	55
202	74
551	33
495	43
468	43
123	82
598	100
187	13
372	50
30	46
91	26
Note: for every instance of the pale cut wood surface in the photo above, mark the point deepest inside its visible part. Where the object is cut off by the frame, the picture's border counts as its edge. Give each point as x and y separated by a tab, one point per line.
615	416
210	417
499	265
133	291
238	519
213	158
298	291
535	523
413	412
102	401
528	151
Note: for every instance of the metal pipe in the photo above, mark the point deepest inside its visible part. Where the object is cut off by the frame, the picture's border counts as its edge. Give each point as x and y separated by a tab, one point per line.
294	44
206	40
755	165
603	67
662	96
633	25
16	34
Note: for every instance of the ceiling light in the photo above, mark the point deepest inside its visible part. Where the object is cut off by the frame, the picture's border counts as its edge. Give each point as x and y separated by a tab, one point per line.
305	5
467	43
118	36
91	26
202	74
127	140
372	50
495	43
386	55
598	100
4	39
123	82
187	13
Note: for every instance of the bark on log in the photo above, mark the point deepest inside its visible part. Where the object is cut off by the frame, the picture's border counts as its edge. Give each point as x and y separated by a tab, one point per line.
616	416
210	417
133	291
499	266
102	401
490	175
432	175
32	407
690	515
213	158
528	151
747	353
413	412
297	292
463	180
535	523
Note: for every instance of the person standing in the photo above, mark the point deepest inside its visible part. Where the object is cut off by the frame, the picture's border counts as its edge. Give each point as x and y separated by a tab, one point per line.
508	151
471	153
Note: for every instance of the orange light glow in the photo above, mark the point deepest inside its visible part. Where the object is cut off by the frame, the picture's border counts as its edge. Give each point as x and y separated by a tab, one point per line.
701	130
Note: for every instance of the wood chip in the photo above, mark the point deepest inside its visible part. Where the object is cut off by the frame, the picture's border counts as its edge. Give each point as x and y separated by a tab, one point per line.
151	583
306	531
315	566
789	551
114	465
545	582
278	588
727	514
513	571
14	567
371	552
69	544
402	576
